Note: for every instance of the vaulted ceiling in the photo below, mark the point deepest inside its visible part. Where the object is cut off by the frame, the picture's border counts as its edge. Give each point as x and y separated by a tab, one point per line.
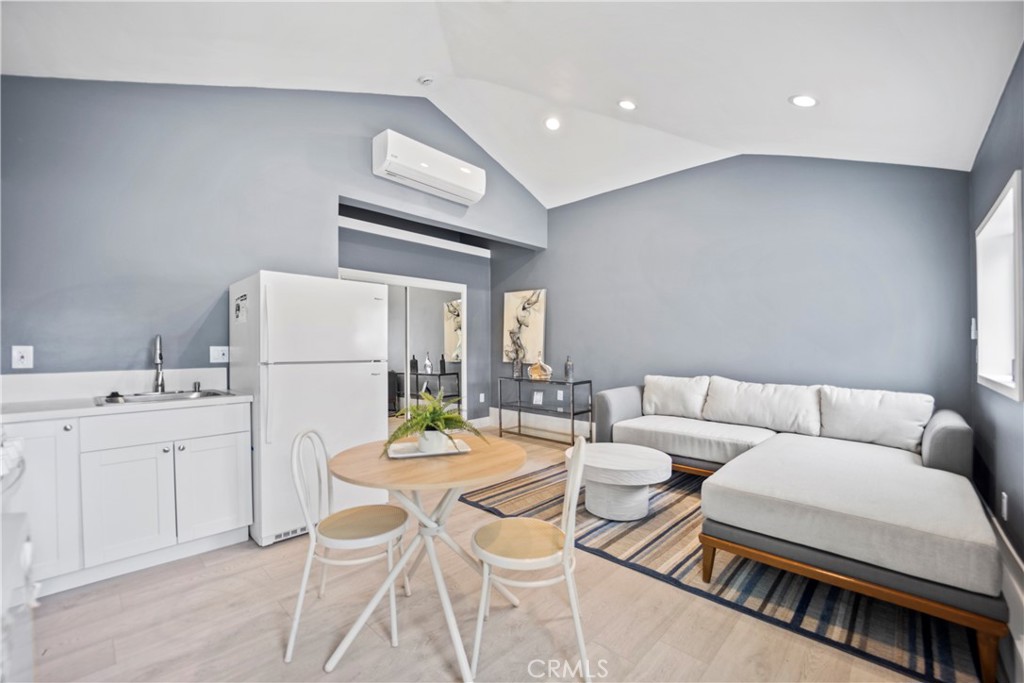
907	83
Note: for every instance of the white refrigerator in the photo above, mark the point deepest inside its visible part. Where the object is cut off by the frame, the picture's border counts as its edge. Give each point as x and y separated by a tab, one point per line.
313	353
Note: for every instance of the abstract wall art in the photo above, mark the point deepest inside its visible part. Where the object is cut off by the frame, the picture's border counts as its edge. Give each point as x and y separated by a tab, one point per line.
523	329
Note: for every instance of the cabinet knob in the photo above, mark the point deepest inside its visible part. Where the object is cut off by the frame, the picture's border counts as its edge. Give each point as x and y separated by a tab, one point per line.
166	449
68	428
181	447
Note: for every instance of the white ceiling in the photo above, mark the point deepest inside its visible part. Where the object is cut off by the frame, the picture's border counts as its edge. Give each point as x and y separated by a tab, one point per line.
907	83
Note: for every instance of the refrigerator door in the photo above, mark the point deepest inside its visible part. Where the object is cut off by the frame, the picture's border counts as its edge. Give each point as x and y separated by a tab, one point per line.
318	319
345	402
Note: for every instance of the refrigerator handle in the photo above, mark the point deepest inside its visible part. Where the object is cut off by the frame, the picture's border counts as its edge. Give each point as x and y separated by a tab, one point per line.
266	405
265	328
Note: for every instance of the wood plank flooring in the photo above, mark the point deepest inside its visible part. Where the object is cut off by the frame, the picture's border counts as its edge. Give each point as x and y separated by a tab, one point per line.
225	615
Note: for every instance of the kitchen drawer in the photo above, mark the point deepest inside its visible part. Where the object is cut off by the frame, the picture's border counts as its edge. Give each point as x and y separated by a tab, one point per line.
155	426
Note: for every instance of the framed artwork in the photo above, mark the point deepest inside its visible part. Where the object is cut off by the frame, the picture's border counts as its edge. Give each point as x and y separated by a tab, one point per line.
453	330
523	328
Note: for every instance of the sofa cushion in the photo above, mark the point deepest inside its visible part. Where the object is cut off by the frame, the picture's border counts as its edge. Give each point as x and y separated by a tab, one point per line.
779	407
678	396
887	418
866	502
711	441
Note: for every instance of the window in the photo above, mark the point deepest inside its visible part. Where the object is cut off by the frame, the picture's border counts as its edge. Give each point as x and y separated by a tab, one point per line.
998	253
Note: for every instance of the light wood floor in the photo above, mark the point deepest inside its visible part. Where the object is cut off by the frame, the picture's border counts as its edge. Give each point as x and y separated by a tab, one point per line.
225	616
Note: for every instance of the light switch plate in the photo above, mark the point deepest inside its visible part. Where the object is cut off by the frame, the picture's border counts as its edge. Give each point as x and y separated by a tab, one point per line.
219	354
538	398
22	357
482	398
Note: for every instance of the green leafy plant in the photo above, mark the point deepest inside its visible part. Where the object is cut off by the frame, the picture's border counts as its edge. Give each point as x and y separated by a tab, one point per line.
432	413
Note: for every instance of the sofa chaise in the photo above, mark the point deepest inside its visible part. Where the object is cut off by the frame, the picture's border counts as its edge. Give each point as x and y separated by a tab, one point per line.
866	490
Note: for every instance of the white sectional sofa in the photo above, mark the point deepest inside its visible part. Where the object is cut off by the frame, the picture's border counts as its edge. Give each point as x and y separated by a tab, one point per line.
868	490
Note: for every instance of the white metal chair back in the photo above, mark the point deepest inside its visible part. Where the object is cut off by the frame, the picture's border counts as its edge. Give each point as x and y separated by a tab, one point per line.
311	478
573	480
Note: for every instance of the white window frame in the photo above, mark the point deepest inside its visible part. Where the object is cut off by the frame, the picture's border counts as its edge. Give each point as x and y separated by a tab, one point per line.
1007	385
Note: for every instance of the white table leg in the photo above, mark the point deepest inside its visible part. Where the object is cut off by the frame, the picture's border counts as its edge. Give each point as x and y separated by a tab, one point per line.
449	613
368	610
437	520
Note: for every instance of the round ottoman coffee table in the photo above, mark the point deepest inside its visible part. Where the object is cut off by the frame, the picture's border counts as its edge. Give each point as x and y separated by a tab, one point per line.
617	476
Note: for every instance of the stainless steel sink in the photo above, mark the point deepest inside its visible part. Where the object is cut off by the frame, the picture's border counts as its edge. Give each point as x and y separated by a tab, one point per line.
158	396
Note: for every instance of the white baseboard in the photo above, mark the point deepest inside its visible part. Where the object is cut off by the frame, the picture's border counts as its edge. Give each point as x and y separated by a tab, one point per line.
545	425
1011	656
89	575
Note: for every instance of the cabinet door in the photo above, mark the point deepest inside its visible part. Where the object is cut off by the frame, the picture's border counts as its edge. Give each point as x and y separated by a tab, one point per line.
127	502
213	480
48	494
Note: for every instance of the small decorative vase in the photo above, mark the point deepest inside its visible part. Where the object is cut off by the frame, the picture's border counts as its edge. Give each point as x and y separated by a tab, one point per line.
568	368
432	441
539	370
517	368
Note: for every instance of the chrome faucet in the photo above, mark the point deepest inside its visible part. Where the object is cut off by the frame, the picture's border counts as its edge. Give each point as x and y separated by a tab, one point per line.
158	360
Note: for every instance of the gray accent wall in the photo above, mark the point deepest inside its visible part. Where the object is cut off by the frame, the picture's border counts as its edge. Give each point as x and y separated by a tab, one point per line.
128	209
769	269
365	251
998	421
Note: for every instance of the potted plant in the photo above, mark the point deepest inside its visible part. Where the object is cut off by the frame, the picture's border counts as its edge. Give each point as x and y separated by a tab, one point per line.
432	419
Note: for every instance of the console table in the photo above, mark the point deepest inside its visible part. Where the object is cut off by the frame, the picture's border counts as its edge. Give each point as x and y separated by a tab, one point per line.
576	405
427	377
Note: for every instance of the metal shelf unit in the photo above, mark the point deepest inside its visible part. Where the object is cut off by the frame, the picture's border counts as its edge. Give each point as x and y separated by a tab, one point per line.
576	407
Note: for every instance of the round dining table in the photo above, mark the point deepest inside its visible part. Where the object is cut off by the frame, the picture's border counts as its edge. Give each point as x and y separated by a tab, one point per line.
486	462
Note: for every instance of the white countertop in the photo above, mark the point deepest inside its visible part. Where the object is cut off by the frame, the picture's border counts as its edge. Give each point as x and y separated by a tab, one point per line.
59	409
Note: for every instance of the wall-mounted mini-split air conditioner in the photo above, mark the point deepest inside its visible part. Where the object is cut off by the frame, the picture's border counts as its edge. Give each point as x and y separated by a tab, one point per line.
406	161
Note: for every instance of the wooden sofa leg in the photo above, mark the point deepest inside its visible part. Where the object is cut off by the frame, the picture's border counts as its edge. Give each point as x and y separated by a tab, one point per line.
708	564
988	656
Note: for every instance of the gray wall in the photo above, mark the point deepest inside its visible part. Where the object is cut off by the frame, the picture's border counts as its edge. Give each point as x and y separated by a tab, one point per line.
997	420
128	209
364	251
774	269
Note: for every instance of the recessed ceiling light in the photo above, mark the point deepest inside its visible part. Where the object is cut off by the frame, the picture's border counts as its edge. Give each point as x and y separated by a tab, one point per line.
802	101
464	169
425	79
628	105
551	123
424	164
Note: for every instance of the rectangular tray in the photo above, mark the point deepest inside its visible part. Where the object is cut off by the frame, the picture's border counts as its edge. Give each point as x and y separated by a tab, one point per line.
409	449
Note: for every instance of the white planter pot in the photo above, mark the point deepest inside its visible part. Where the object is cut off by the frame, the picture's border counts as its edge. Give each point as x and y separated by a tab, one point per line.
433	442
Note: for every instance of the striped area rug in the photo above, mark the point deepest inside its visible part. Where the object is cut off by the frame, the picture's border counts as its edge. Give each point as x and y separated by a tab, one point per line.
664	545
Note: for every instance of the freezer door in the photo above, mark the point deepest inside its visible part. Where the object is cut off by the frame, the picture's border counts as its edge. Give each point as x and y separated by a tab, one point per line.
318	319
345	402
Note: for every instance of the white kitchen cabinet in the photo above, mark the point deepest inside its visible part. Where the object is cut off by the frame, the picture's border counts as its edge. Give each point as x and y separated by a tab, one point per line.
127	502
213	484
48	494
154	479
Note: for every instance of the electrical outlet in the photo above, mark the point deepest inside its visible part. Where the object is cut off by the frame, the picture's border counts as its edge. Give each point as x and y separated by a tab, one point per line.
482	399
538	398
219	354
561	395
1004	506
22	357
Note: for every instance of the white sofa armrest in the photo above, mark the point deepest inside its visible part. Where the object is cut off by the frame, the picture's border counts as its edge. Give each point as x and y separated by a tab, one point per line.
615	405
948	443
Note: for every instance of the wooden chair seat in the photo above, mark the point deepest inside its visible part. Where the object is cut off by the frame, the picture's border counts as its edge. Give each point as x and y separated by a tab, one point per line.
519	543
362	526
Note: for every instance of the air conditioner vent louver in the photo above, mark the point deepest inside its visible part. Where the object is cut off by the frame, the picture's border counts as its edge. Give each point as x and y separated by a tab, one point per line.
411	163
